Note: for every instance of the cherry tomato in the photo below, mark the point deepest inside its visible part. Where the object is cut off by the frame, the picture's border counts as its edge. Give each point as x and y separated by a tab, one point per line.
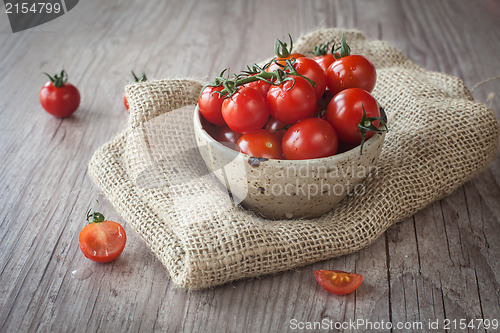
310	69
291	102
345	111
280	62
102	240
210	105
338	282
58	97
143	78
259	85
324	61
261	143
273	125
225	134
353	71
245	111
310	138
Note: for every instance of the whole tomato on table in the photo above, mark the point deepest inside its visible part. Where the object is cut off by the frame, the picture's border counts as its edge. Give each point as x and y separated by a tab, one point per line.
59	97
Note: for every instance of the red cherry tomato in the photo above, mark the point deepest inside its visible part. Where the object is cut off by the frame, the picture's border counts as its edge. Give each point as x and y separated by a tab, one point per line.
245	111
338	282
225	134
289	102
143	78
58	97
310	138
280	62
261	143
259	85
353	71
273	125
310	69
345	111
101	240
324	61
210	105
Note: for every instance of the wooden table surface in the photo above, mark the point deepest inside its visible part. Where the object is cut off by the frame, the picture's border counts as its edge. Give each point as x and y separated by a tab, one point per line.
440	264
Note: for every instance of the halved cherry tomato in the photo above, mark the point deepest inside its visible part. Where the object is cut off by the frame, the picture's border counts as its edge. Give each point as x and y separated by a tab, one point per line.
310	138
291	101
345	111
261	143
338	282
245	111
101	240
210	105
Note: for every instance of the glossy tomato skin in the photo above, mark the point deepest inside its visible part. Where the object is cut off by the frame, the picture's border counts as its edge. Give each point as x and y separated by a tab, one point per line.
273	125
61	101
353	71
324	61
103	241
225	134
345	110
289	102
338	282
245	111
310	138
261	143
260	86
310	69
210	105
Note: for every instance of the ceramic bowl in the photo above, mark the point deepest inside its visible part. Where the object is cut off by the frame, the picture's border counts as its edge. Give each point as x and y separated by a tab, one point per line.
288	189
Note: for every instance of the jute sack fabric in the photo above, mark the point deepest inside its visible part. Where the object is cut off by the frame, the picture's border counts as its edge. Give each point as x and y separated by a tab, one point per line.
152	173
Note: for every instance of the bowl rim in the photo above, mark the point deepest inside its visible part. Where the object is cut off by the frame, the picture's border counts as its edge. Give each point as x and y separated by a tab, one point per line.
368	144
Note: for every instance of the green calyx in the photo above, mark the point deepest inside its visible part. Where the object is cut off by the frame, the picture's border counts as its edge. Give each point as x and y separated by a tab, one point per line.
58	80
256	73
96	217
281	49
343	50
366	124
323	49
143	77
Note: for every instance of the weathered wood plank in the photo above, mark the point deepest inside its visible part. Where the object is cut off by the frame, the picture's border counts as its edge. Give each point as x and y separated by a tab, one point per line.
441	263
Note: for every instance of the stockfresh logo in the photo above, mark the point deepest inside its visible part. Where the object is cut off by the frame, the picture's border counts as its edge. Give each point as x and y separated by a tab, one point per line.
28	14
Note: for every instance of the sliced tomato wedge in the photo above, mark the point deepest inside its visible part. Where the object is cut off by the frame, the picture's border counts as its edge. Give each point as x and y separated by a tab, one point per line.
102	241
338	282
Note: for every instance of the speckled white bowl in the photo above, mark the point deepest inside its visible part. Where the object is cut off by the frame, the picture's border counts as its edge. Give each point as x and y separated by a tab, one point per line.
288	189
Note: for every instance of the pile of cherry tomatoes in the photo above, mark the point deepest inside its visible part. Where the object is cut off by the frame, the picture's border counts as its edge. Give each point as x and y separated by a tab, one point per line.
295	107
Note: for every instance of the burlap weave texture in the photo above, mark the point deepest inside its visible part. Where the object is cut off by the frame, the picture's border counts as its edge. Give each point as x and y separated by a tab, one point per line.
152	173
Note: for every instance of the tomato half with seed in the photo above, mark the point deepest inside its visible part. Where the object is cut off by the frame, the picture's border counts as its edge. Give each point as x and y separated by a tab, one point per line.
310	138
261	143
101	240
245	111
353	71
292	101
210	105
345	111
338	282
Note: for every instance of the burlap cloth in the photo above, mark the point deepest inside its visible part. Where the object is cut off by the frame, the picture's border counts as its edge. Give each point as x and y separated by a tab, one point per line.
154	176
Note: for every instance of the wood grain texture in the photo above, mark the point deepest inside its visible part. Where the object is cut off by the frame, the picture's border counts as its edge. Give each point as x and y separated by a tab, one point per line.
440	263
